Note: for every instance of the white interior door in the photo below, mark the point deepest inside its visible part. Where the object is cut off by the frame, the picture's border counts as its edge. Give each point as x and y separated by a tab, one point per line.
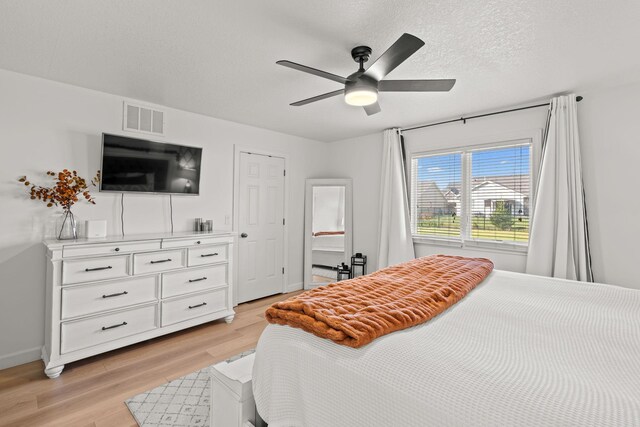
261	226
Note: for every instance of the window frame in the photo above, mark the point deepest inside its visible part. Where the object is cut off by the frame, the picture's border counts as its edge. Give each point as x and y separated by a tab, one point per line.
533	138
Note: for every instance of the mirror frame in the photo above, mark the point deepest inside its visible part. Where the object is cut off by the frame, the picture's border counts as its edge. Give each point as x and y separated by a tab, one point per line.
308	222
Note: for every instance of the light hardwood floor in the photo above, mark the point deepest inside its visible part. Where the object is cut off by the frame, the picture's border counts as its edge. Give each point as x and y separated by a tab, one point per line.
92	392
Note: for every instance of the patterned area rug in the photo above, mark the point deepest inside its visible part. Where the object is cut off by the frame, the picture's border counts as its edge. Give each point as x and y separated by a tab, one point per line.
181	403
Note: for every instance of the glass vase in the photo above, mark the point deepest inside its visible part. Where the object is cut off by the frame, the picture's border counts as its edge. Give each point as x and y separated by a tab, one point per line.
68	227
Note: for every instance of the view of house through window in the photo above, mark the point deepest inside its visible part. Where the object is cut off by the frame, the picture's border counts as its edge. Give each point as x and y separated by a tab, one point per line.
490	202
436	195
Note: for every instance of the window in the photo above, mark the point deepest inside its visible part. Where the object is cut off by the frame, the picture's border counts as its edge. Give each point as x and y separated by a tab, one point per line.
474	195
436	201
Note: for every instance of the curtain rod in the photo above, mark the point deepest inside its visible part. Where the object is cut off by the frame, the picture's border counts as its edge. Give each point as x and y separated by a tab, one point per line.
464	119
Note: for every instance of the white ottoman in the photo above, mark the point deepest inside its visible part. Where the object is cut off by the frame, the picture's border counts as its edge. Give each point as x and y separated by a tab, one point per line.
232	403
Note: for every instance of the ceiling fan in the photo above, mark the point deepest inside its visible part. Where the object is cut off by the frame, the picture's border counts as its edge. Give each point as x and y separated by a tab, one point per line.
361	88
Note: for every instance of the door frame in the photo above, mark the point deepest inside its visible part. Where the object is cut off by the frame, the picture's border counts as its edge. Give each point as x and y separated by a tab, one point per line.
237	149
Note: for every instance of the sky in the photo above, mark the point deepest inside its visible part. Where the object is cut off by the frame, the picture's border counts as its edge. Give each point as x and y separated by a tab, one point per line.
447	168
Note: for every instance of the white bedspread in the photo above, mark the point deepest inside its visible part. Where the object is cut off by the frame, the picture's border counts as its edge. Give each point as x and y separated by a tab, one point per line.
519	350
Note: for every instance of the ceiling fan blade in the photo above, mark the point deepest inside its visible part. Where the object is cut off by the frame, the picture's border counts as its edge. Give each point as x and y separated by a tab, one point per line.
437	85
318	98
372	109
402	49
313	71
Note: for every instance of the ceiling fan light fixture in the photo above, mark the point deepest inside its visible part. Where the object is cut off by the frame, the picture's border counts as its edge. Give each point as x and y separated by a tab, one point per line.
361	87
360	97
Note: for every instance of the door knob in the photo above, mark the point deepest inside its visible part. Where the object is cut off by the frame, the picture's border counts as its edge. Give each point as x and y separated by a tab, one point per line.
243	235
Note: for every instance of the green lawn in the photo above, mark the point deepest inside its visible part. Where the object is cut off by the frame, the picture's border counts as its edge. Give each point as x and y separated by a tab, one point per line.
482	228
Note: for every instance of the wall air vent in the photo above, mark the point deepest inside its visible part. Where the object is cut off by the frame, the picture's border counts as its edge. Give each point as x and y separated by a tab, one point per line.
144	119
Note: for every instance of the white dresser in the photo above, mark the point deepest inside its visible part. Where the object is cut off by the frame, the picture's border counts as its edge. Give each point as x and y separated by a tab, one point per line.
103	294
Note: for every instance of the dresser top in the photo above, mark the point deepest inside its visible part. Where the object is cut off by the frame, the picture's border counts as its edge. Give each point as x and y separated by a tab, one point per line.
53	244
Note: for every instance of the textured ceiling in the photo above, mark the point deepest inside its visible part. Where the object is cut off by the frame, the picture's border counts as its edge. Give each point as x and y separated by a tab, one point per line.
218	57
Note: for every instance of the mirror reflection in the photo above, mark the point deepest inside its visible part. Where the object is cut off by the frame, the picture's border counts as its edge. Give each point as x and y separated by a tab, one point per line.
328	227
327	233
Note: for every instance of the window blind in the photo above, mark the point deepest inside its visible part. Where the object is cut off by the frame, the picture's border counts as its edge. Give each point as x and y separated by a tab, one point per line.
492	199
500	193
436	195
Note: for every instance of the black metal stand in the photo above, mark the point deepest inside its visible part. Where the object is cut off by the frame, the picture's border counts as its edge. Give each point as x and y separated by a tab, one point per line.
344	272
358	261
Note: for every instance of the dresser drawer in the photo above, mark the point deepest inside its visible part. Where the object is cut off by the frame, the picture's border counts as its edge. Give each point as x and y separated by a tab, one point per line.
158	261
207	255
98	297
193	280
186	308
91	269
93	331
110	248
191	241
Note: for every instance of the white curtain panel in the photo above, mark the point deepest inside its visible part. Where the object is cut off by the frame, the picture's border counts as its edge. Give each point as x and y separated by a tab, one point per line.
395	244
559	240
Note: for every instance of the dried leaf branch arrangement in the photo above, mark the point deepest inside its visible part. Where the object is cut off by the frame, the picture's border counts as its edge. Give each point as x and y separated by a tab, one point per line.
68	189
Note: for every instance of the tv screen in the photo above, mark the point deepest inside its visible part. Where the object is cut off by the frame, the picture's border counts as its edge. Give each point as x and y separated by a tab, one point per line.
143	166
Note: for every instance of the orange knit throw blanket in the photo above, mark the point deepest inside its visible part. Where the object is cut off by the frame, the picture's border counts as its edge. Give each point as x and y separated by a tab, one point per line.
357	311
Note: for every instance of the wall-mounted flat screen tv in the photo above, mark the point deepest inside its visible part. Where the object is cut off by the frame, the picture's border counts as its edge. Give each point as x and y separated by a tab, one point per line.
143	166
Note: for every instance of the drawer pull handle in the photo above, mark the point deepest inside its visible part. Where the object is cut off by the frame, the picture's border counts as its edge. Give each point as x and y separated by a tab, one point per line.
198	242
104	328
160	261
197	280
98	268
115	295
206	255
117	249
196	306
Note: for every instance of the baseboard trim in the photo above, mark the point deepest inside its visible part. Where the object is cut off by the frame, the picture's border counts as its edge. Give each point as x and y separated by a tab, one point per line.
292	287
20	357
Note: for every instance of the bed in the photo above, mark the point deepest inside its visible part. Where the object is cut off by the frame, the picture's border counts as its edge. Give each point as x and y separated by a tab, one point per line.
518	350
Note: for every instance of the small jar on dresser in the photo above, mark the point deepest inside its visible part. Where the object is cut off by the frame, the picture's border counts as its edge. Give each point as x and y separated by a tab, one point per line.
108	293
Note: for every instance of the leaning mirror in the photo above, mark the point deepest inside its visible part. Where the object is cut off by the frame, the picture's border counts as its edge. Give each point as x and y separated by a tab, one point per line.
328	230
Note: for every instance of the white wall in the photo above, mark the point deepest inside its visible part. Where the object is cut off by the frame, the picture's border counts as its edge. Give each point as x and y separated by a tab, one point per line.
360	159
610	146
328	209
46	125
